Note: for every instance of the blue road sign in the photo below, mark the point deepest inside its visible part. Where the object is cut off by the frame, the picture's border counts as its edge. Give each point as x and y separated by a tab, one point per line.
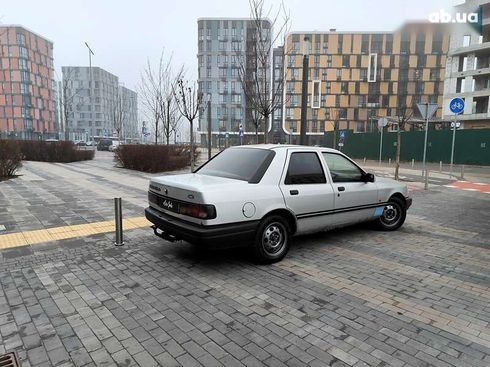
342	134
456	105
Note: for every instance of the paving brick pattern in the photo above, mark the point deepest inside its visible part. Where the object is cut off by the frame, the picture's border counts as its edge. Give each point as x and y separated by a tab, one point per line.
354	297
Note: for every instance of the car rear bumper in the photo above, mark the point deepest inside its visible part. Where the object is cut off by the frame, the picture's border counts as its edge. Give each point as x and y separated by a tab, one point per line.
215	236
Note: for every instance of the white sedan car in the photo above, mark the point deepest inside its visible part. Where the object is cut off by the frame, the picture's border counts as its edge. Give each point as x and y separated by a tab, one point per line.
262	195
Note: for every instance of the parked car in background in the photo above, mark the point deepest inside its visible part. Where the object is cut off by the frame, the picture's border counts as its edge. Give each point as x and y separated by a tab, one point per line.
80	143
262	195
115	144
91	143
104	144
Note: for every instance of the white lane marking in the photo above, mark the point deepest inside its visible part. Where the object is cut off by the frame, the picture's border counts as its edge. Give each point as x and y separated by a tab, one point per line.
471	189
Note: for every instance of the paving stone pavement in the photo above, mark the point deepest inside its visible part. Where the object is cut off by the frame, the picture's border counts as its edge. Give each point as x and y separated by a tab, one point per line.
419	296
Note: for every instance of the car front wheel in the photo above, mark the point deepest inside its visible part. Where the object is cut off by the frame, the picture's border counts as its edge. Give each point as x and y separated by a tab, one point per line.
272	240
394	214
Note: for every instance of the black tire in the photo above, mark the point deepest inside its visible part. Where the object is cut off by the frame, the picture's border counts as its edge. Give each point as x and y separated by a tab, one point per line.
272	240
394	214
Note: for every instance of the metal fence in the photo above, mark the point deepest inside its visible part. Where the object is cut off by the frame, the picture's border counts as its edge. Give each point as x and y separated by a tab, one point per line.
472	145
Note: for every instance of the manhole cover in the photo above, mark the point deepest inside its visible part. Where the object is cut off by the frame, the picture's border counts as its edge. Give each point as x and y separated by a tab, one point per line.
8	360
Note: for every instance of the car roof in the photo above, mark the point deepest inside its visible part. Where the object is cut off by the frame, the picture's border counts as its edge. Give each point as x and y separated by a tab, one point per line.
285	146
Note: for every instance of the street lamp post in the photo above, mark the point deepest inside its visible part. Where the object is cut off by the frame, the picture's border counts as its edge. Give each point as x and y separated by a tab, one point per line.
304	91
209	126
90	53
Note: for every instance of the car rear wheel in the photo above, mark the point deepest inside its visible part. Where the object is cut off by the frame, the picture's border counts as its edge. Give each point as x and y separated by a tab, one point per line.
272	240
394	214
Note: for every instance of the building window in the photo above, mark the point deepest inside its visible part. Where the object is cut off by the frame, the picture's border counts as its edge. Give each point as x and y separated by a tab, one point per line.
23	64
437	43
343	87
316	94
316	61
329	61
365	44
361	100
296	47
342	113
294	100
24	76
389	44
23	51
460	85
24	89
420	44
466	40
21	39
373	66
363	74
463	63
345	61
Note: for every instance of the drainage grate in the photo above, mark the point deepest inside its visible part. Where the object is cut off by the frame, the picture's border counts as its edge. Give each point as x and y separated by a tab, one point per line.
8	360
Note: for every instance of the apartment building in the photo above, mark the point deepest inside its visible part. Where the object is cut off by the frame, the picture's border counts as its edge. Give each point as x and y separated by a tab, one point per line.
468	66
224	44
90	96
26	84
357	77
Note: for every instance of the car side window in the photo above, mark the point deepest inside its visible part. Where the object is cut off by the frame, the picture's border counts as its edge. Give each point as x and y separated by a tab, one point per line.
304	168
342	169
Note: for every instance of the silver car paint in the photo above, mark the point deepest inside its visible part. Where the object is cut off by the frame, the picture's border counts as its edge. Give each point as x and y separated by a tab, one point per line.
229	195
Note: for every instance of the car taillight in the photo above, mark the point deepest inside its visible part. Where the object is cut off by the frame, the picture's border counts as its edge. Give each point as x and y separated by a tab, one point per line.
198	210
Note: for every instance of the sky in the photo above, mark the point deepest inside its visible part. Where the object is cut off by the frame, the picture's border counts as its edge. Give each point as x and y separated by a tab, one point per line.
125	34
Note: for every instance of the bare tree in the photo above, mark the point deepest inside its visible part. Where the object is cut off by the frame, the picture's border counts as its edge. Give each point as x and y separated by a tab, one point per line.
118	112
156	90
67	97
189	103
169	112
404	115
254	70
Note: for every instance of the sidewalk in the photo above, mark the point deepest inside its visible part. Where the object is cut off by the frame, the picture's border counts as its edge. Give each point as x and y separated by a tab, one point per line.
469	173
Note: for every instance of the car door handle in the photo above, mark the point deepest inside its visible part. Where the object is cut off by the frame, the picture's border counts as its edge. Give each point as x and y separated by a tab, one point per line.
341	188
294	192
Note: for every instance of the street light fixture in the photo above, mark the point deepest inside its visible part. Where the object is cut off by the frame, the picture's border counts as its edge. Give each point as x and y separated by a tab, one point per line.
304	90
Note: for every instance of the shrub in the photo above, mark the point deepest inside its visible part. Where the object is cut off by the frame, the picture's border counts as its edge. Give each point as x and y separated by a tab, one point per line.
153	158
53	151
10	158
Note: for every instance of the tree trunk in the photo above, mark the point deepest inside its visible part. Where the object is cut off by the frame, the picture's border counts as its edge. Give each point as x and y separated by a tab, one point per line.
335	135
266	120
192	147
257	133
398	143
168	123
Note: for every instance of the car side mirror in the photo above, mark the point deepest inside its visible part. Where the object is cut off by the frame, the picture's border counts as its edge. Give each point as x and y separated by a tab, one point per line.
369	177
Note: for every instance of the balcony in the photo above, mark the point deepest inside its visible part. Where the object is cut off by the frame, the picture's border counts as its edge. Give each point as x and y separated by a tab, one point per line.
478	49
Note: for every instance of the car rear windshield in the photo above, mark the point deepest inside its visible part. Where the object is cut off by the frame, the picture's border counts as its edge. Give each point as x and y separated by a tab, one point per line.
246	164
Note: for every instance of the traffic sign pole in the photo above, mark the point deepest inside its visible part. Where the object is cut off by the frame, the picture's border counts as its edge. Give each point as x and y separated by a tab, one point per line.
382	122
425	142
452	148
381	145
456	106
